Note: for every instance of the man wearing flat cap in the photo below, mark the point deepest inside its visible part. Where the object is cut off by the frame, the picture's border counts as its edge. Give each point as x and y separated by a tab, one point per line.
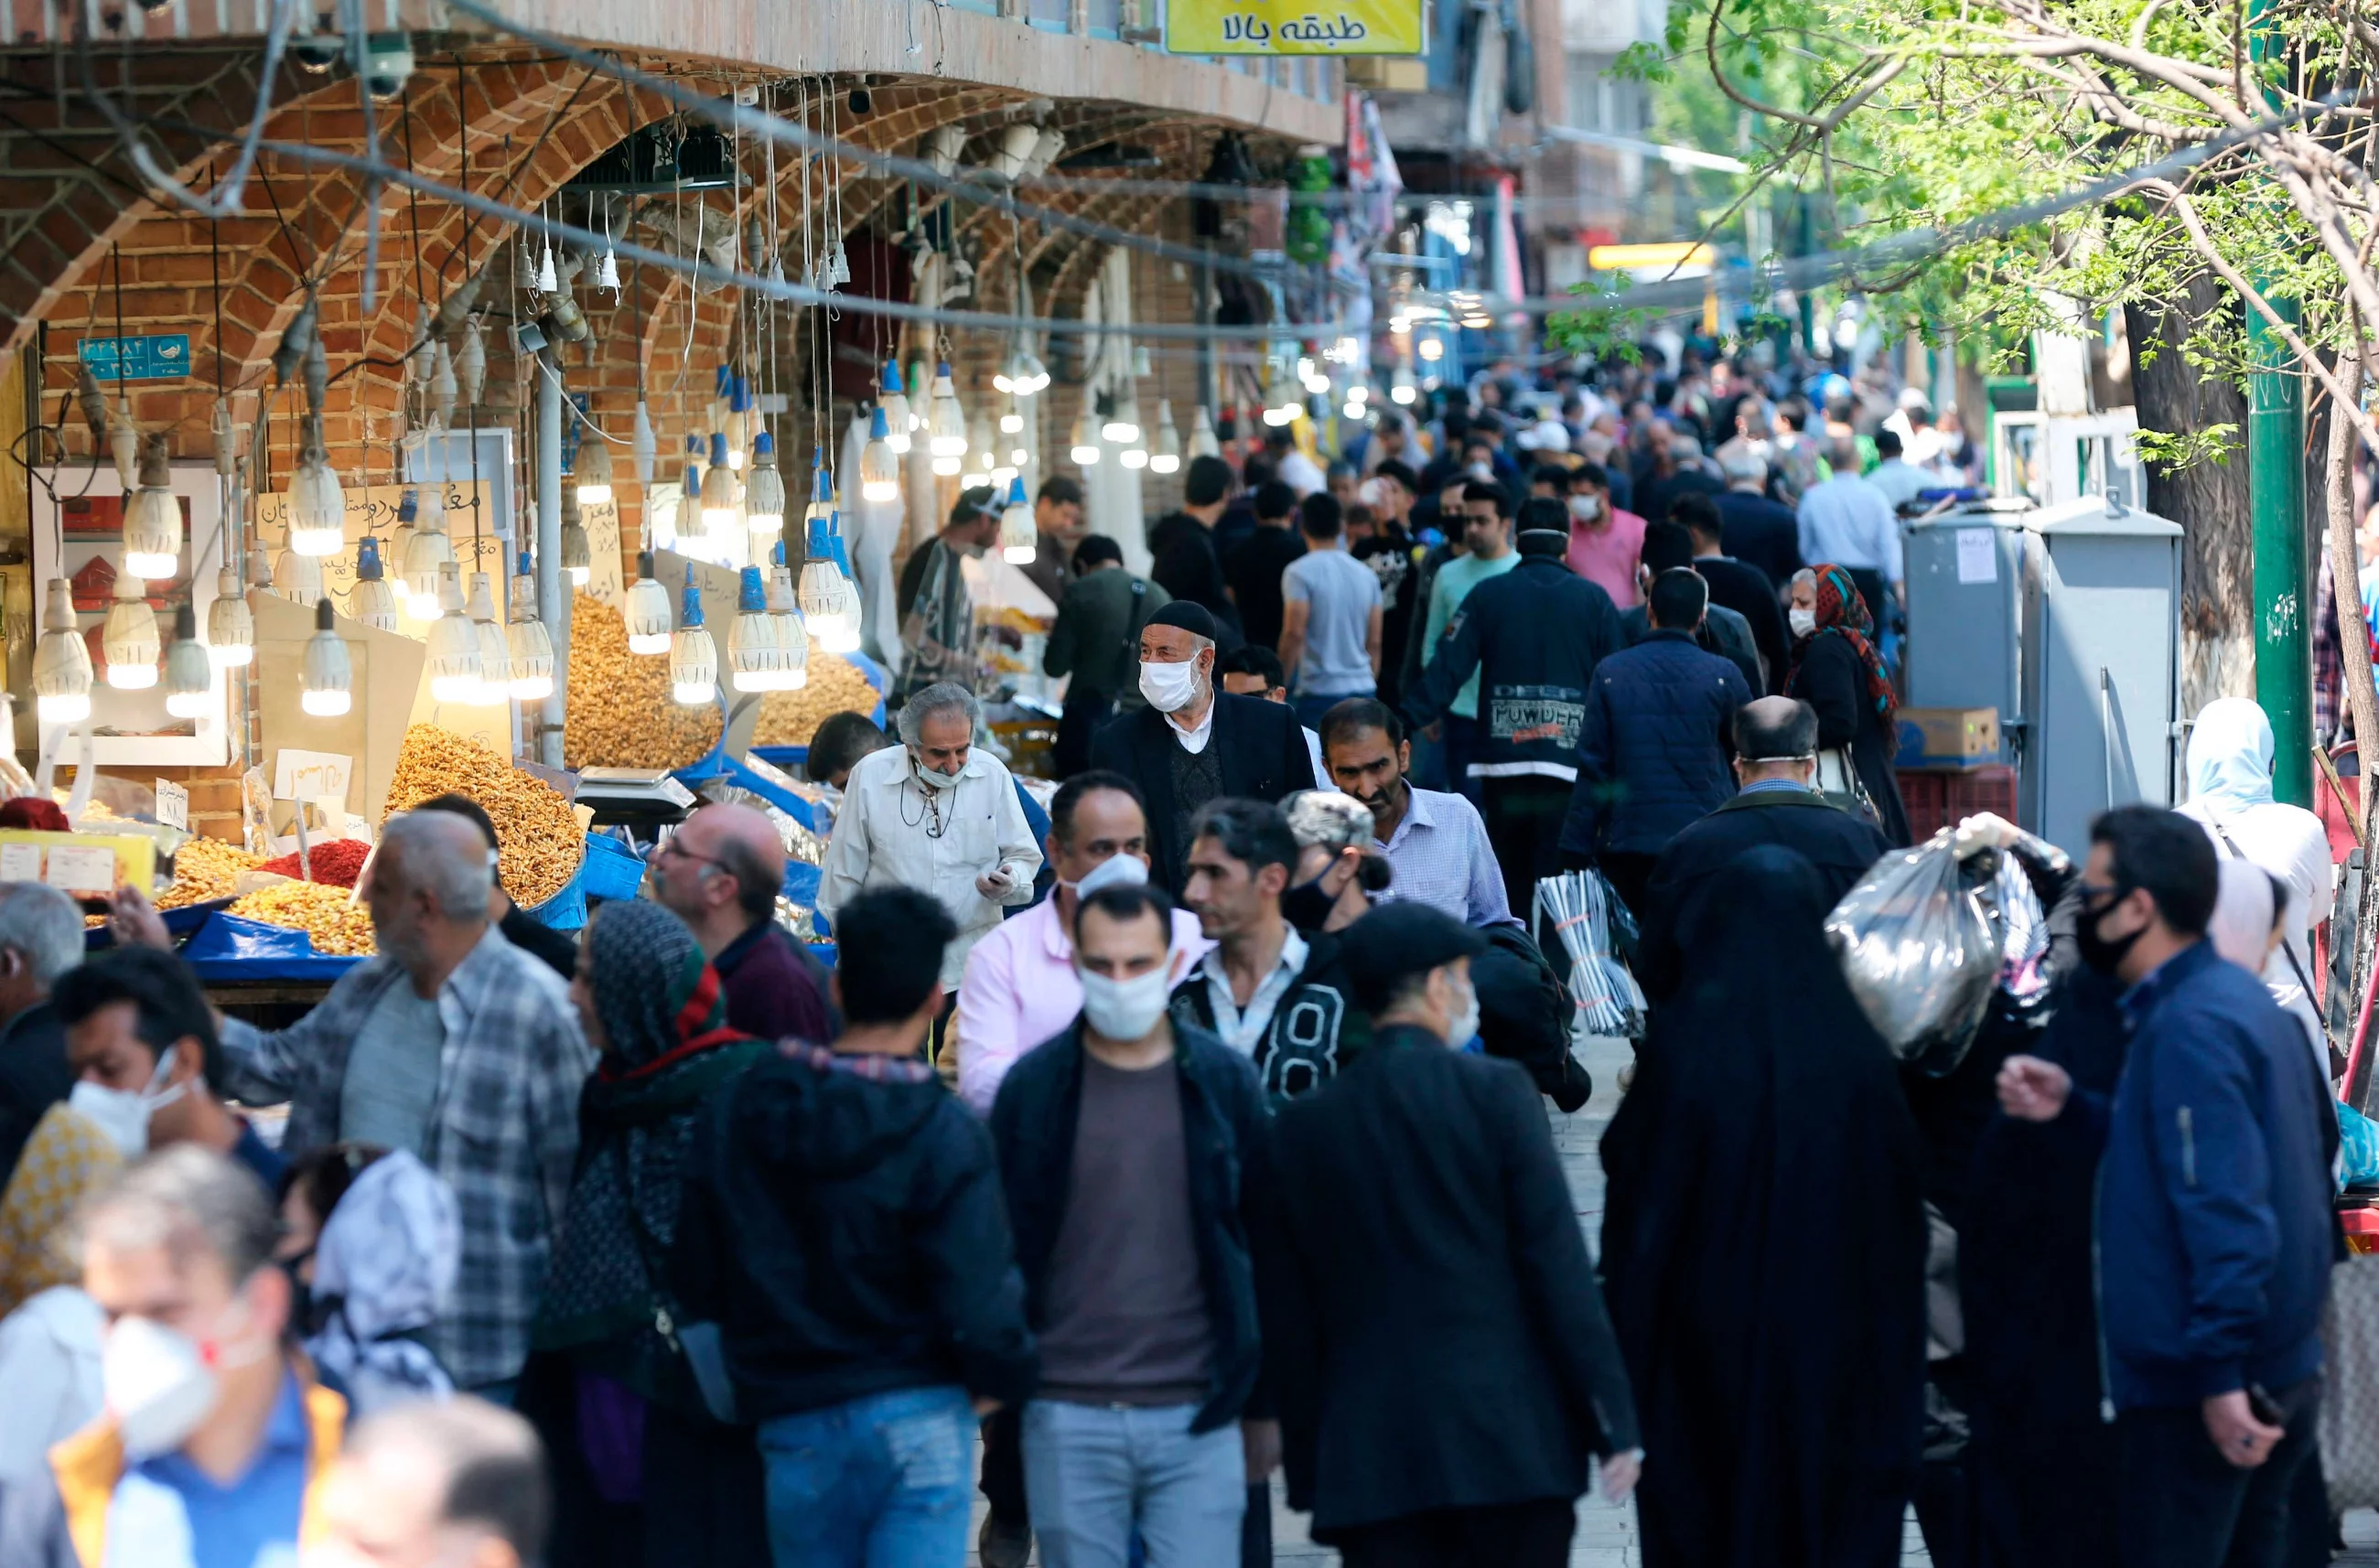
1193	743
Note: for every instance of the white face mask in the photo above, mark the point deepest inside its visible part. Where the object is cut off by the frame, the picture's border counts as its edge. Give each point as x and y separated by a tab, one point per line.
123	1114
1585	509
1116	870
160	1384
1804	621
1168	687
1126	1009
1465	1028
938	781
1482	472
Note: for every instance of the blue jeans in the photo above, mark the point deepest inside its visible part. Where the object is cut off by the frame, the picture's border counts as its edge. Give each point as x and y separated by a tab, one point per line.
1095	1474
1311	706
879	1482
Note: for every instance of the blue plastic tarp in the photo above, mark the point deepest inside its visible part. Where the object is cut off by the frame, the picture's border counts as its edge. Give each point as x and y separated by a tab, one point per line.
228	949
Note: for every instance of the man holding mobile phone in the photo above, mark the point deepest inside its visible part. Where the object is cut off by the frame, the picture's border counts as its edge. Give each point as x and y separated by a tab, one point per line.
2214	1227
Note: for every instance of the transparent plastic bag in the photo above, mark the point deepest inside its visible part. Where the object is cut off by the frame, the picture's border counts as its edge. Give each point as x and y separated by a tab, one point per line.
1919	951
1594	927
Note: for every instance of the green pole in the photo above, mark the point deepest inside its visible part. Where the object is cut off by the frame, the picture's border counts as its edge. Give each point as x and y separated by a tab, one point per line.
2275	424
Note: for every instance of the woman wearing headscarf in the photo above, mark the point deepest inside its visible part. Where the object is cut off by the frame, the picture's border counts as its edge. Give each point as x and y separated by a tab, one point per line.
1837	670
645	1475
49	1342
1764	1246
386	1255
2230	751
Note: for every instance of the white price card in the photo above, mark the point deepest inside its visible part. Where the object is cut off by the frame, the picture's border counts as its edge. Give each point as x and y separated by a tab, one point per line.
20	863
1978	555
358	828
173	804
77	870
310	776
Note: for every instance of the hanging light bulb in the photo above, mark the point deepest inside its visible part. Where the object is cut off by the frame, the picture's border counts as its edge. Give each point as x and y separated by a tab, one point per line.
764	496
879	467
1134	456
471	364
129	640
60	660
1020	539
893	404
548	280
325	676
1201	434
644	445
443	388
1022	375
231	630
739	421
530	644
1086	449
593	469
188	678
693	654
453	645
821	507
946	436
1122	424
124	443
793	638
608	274
226	449
428	554
371	601
830	605
751	651
979	459
495	649
718	492
297	578
1282	401
1165	457
648	610
152	518
318	509
1401	390
577	554
1012	419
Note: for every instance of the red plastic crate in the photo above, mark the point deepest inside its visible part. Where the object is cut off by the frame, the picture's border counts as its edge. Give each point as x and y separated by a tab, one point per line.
1937	799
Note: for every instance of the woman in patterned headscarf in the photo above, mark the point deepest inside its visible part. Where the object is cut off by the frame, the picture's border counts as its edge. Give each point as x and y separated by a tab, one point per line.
611	1384
1837	671
49	1343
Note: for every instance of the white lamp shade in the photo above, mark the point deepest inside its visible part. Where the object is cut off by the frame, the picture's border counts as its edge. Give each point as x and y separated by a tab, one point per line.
693	666
318	509
578	553
326	675
648	618
947	433
754	656
455	660
231	628
297	578
1086	450
593	468
643	444
1203	442
532	659
60	660
764	496
428	554
190	680
152	520
373	602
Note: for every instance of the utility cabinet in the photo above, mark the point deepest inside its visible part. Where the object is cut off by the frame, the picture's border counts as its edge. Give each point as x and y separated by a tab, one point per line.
1965	614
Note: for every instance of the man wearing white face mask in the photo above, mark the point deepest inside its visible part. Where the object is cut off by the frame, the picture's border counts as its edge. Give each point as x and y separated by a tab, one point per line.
1194	743
1434	1279
213	1435
1132	1155
1020	987
938	814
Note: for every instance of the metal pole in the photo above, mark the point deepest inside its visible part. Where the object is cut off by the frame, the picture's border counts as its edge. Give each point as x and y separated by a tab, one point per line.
552	597
2275	424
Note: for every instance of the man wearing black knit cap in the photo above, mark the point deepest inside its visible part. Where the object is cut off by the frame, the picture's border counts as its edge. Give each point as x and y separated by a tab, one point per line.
1194	743
1430	1279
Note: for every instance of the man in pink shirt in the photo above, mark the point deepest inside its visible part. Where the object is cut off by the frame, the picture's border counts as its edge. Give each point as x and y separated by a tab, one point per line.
1020	987
1605	544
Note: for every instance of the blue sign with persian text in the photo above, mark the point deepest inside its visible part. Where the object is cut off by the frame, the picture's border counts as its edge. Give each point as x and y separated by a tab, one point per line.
161	358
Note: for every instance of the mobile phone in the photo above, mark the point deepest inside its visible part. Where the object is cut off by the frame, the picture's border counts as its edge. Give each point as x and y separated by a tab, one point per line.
2264	1407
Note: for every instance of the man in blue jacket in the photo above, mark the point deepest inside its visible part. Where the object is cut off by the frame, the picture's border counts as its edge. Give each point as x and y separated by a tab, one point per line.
1651	750
2215	1233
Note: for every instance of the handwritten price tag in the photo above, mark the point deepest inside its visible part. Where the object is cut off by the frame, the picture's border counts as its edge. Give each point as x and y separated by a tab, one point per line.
173	804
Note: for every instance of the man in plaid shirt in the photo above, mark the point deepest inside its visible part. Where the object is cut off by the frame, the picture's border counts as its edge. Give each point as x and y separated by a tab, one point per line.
457	1044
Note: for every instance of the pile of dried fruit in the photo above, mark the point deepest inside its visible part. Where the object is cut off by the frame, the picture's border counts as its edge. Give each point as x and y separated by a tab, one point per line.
536	833
335	863
322	911
204	869
790	719
619	712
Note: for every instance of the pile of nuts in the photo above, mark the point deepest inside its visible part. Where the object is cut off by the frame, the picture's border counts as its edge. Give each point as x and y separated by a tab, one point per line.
322	912
536	832
790	719
619	712
204	869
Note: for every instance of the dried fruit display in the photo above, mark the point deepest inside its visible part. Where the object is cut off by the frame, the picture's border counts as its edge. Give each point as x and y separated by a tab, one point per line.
790	719
619	712
536	833
322	911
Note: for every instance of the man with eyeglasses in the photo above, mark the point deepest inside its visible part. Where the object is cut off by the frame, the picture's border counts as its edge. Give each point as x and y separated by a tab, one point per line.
720	872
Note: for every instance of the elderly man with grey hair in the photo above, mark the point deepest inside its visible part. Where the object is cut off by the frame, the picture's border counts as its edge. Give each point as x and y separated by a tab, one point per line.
41	938
940	813
454	1045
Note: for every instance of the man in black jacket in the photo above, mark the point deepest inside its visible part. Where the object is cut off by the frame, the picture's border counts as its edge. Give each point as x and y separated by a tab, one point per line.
1185	561
41	938
844	1229
1535	634
1737	586
1194	743
1776	761
1754	529
1443	1365
1133	1153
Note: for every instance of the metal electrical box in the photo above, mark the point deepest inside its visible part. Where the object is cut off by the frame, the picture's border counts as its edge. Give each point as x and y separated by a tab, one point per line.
1965	614
2100	665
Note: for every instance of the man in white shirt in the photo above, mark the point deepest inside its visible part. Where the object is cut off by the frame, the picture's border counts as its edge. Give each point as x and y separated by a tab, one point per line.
1899	480
937	814
1848	522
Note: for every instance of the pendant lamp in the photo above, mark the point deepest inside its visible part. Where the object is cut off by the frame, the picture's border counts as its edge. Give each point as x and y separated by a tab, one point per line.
124	443
1019	538
718	492
648	610
188	678
1122	424
739	421
830	605
129	640
764	497
318	509
60	660
644	445
531	645
1165	457
1201	434
454	645
792	637
325	676
371	601
752	652
593	469
694	654
231	628
947	433
152	519
495	649
471	363
893	404
880	465
297	578
428	554
1085	452
577	552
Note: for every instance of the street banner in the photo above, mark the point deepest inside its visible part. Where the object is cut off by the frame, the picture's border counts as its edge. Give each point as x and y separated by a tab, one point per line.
1294	26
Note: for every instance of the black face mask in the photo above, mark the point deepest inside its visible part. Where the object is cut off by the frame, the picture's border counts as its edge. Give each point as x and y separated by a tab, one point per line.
2099	952
1306	906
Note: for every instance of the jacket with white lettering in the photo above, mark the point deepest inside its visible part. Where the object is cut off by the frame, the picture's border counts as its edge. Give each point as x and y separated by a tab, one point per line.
1534	634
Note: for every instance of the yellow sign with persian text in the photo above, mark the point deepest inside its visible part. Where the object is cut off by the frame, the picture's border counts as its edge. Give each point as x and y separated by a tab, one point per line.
1295	26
